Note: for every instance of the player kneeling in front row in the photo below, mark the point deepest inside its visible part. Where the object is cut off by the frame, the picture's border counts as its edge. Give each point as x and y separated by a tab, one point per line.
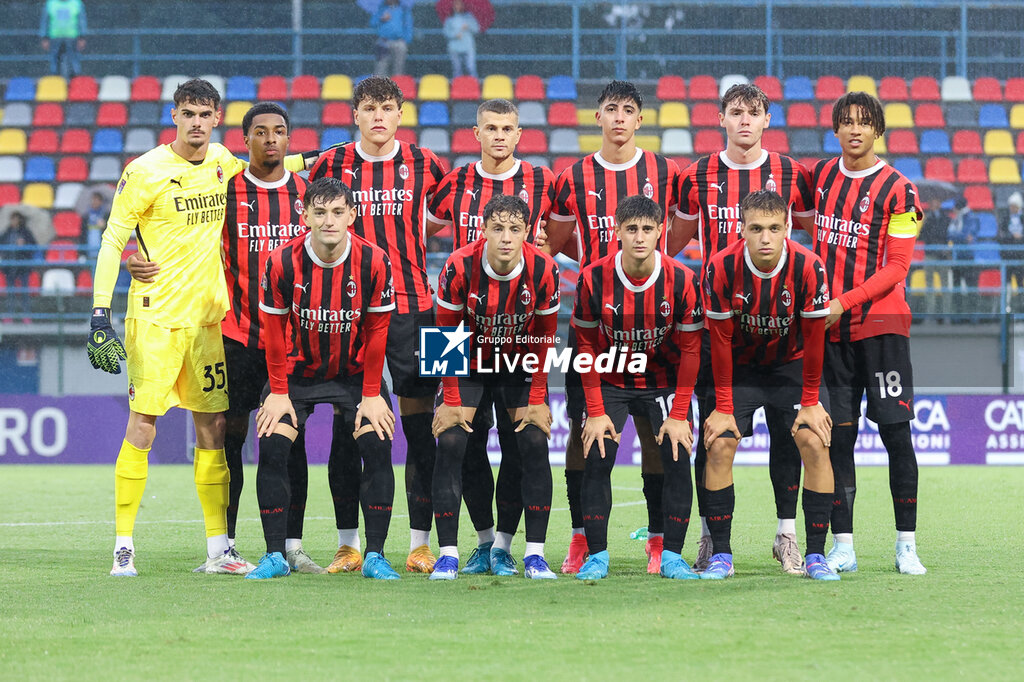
638	301
754	289
504	293
337	290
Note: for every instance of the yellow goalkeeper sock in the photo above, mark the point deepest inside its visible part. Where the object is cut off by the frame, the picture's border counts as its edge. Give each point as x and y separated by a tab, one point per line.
212	478
129	484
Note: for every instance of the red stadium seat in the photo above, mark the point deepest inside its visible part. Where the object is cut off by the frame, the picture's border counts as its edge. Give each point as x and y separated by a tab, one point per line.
682	161
708	141
704	87
971	171
83	89
303	140
966	142
562	115
918	254
10	194
987	89
407	84
671	88
146	89
809	162
35	281
771	87
48	114
939	168
273	88
83	282
76	141
825	116
893	89
1020	143
801	115
67	225
465	88
561	163
464	142
776	140
704	115
530	87
979	197
305	87
112	115
337	114
235	141
902	142
407	135
990	281
167	136
829	88
43	141
929	116
61	251
533	141
925	89
72	169
1014	90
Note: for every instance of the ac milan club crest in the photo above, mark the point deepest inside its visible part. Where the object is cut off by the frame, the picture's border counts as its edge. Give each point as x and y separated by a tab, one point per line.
648	189
350	288
298	205
665	308
864	203
403	172
220	173
525	296
787	298
770	185
524	195
131	391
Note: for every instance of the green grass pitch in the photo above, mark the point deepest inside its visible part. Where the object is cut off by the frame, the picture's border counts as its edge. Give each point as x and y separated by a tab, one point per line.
63	617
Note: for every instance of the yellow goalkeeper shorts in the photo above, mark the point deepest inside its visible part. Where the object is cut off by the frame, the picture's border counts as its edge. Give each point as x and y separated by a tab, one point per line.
175	368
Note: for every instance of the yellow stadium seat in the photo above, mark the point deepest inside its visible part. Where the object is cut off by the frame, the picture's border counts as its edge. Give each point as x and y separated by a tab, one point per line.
585	117
337	86
12	141
999	143
235	112
497	86
863	84
651	143
898	115
51	89
590	143
1004	172
409	118
38	194
880	145
1017	116
918	280
650	117
434	87
674	115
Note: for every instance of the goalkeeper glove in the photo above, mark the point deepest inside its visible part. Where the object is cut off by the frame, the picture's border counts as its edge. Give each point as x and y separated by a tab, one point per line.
105	349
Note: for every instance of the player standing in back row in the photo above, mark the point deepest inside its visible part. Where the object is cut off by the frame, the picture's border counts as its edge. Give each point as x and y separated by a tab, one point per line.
867	221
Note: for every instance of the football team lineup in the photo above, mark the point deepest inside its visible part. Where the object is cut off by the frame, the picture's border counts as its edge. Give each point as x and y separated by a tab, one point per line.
310	317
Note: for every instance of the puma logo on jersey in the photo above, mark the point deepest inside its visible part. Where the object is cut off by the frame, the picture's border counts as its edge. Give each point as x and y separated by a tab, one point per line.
351	172
599	194
473	192
176	181
248	205
613	308
822	191
718	186
478	297
302	286
744	297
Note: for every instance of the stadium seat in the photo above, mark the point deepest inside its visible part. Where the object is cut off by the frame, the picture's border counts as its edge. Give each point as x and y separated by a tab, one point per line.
39	169
145	89
464	88
17	114
57	281
960	114
902	142
217	81
880	146
273	88
336	87
533	141
893	89
862	84
704	88
770	86
802	115
683	162
988	228
704	115
830	143
935	142
651	143
925	89
104	169
48	115
235	141
407	135
464	113
929	116
73	169
11	169
729	80
39	194
829	88
671	88
305	87
992	116
967	142
804	142
1014	90
585	117
674	115
564	141
67	225
409	117
1016	116
998	143
337	114
333	136
499	86
562	87
987	89
979	197
234	114
676	141
532	114
240	88
76	141
708	141
79	114
956	89
436	140
562	115
590	143
112	115
464	142
898	115
798	88
13	141
778	115
434	114
303	140
910	167
971	171
51	89
66	196
939	168
528	86
167	119
825	115
166	136
114	89
1020	143
407	84
10	194
434	88
144	113
42	141
1002	171
305	112
465	160
61	251
83	89
21	89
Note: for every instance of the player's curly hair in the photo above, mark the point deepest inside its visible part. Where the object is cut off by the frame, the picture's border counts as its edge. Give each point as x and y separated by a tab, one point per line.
763	201
264	108
620	91
325	190
746	93
636	207
507	204
376	89
196	91
871	112
499	106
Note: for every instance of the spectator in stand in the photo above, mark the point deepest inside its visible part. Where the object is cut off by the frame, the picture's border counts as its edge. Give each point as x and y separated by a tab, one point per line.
461	29
95	220
393	23
1011	234
18	235
961	233
61	29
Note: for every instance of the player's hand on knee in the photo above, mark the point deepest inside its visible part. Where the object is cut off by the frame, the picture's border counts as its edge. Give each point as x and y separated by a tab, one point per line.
717	424
378	413
140	269
539	416
679	435
446	416
273	409
817	420
595	430
105	350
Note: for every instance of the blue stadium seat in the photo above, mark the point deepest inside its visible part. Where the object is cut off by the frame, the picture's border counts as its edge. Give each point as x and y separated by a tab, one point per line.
778	115
21	90
434	114
986	253
165	117
241	88
798	87
831	143
333	136
107	141
910	166
935	141
562	87
39	169
993	116
988	228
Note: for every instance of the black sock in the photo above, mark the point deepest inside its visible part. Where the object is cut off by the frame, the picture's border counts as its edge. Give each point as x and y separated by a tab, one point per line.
344	472
233	442
298	481
536	482
597	495
477	476
654	485
377	489
419	468
272	489
783	466
447	484
574	492
721	504
844	440
677	499
700	456
817	508
902	473
508	491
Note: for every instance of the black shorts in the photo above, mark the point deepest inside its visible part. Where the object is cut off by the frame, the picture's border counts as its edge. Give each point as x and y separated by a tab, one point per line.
654	404
777	388
575	397
247	375
344	393
879	366
503	391
403	355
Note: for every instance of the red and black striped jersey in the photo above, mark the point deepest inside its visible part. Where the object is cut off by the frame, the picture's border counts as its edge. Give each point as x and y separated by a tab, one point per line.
639	317
391	192
499	309
462	195
711	188
260	216
327	303
589	191
851	229
765	305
